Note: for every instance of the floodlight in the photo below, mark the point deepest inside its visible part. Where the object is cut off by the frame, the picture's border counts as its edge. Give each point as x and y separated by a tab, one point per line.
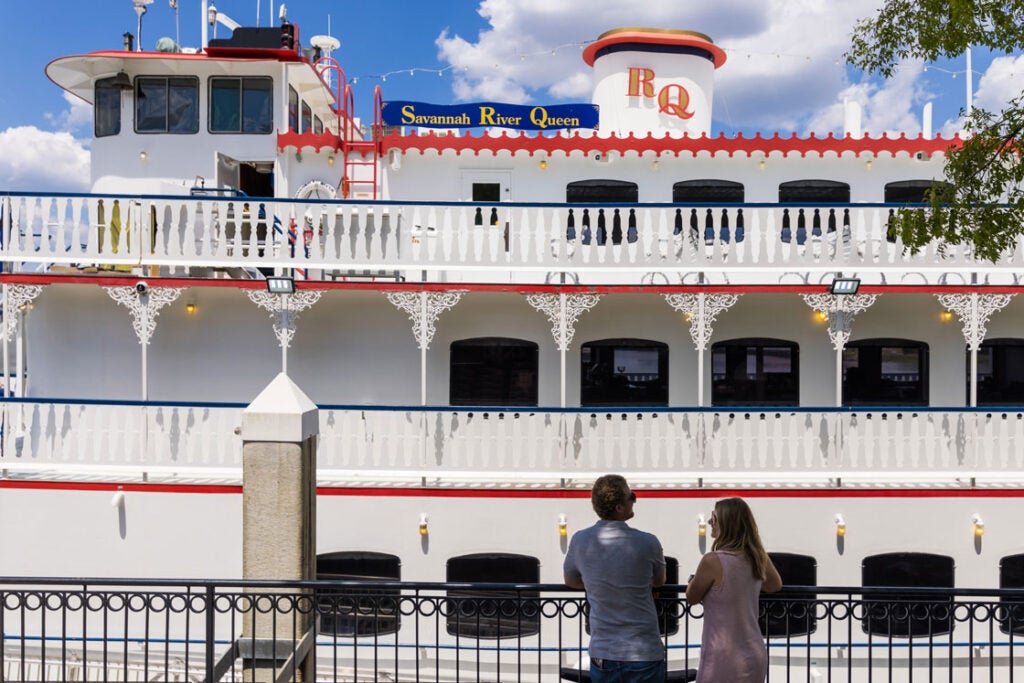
280	285
844	285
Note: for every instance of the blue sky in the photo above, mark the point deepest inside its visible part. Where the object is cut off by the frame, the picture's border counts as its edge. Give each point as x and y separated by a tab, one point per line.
784	70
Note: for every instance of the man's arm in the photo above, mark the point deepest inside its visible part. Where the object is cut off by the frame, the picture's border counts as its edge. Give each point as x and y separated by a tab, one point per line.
659	581
573	580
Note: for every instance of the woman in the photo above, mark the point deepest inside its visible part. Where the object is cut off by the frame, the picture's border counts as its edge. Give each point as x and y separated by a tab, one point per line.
727	582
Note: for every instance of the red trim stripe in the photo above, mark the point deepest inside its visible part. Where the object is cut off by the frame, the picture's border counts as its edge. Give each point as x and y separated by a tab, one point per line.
402	492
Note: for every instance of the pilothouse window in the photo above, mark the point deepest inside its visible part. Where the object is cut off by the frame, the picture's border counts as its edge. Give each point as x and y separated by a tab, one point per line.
241	105
107	108
166	105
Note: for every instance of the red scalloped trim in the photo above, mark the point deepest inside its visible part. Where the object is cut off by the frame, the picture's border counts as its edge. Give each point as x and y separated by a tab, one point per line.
317	141
740	144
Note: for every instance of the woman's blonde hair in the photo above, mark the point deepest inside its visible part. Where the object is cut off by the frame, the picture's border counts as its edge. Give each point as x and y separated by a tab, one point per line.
737	531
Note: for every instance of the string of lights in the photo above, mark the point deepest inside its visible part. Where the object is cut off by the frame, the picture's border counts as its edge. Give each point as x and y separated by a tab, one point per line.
579	46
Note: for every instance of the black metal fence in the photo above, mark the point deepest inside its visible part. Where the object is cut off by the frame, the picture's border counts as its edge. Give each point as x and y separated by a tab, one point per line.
122	630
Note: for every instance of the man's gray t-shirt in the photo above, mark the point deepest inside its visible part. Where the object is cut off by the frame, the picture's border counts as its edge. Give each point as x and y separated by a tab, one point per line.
617	565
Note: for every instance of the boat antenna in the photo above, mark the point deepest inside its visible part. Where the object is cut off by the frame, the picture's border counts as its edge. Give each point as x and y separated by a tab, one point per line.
140	9
177	28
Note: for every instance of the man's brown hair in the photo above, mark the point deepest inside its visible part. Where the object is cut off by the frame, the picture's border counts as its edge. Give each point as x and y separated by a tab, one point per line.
608	492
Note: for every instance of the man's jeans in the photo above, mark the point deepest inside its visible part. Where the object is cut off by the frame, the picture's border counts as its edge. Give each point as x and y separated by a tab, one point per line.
614	671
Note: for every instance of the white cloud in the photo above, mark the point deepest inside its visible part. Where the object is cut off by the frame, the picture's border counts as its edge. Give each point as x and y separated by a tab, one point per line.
782	54
33	159
77	117
1001	82
889	107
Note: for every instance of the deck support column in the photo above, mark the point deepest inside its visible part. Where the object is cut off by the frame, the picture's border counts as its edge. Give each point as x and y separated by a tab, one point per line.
974	311
841	309
701	310
144	304
16	298
279	445
424	308
562	311
284	311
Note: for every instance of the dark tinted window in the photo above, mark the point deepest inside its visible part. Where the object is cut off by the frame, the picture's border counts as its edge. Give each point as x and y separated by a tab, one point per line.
912	191
494	614
624	372
813	192
241	105
307	118
791	614
293	110
885	372
907	614
166	105
1000	372
601	192
1011	575
755	372
710	191
106	109
493	371
358	612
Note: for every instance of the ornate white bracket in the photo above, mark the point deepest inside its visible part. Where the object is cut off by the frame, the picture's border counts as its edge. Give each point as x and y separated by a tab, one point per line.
974	310
17	296
284	309
841	310
701	310
144	307
424	308
551	306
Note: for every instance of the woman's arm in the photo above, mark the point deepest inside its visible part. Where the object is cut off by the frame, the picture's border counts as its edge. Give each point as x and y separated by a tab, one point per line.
709	572
772	581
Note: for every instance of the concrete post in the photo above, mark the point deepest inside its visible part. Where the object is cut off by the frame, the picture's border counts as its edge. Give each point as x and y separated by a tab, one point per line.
279	441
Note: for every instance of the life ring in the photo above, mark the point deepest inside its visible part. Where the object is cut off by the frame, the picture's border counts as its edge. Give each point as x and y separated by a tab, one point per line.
316	189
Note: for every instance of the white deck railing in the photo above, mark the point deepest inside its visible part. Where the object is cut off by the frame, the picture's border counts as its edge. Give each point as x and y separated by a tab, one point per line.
178	232
540	447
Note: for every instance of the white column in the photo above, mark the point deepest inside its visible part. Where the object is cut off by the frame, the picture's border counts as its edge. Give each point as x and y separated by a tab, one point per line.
284	311
841	310
424	308
562	311
974	310
701	310
7	353
144	304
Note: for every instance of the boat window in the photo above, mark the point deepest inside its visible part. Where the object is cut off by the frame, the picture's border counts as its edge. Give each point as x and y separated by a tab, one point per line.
885	372
601	192
307	118
912	191
1000	373
907	614
358	612
707	191
293	110
241	105
493	371
318	125
814	192
624	372
1011	575
755	372
166	104
494	614
106	108
794	615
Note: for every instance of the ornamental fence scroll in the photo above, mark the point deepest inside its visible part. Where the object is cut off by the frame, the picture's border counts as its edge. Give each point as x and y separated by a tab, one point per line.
131	630
180	233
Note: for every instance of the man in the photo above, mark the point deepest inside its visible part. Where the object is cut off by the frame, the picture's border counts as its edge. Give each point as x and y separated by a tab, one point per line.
618	567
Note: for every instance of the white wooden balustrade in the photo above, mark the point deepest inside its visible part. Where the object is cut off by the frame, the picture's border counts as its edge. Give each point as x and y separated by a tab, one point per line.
181	232
539	447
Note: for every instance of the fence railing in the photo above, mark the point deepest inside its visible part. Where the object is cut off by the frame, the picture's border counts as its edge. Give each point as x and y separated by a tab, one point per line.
129	630
670	445
346	236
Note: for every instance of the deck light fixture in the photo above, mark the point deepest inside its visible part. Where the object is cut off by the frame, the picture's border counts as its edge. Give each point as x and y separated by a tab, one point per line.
979	525
190	308
702	526
423	524
840	526
844	285
563	525
946	316
280	285
543	164
143	155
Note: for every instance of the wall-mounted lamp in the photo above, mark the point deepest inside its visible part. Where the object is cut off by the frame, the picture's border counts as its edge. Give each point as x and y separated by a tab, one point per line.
563	525
190	308
543	164
844	285
946	316
298	156
702	526
330	160
761	164
655	164
822	316
979	525
867	164
143	155
840	526
423	524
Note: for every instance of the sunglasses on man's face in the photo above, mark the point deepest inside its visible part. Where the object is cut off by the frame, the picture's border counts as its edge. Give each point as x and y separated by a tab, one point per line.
632	496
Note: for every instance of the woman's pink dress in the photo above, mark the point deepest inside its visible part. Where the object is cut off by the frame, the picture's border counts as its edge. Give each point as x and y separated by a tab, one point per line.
731	648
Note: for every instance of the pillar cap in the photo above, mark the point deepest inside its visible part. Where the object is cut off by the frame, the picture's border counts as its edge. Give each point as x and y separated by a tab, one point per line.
639	36
281	413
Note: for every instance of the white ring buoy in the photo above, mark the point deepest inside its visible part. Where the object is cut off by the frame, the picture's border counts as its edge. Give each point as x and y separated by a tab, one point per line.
316	189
